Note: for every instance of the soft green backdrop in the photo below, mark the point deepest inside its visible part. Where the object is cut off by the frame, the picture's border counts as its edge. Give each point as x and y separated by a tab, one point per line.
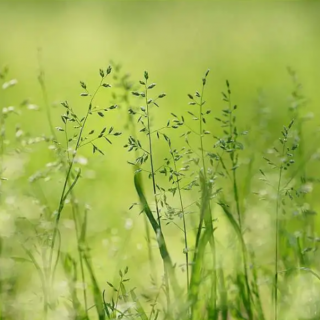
249	43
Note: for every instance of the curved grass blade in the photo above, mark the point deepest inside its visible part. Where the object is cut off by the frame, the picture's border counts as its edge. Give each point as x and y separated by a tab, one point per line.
70	268
159	235
196	277
201	242
99	305
139	308
245	289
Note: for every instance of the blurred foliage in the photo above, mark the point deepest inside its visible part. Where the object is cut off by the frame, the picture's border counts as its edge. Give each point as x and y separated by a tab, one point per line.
249	43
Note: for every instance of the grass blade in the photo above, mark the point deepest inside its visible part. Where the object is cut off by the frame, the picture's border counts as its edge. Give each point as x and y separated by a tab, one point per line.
159	235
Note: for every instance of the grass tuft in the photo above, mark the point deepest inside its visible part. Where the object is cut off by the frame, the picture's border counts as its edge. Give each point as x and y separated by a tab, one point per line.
228	215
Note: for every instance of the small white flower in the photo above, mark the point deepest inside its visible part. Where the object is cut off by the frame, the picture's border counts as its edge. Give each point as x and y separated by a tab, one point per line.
124	307
270	151
52	147
51	164
9	84
81	160
19	133
306	188
128	224
32	107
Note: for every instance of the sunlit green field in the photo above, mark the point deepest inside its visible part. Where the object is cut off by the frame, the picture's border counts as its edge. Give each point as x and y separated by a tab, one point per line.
71	213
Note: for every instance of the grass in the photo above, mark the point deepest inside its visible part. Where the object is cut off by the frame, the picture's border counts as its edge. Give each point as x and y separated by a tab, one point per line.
202	184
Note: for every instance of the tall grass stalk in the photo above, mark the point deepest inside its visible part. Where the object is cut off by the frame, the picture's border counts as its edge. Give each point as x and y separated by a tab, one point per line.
185	231
283	140
65	190
205	218
298	102
148	153
277	230
74	205
124	83
233	135
147	102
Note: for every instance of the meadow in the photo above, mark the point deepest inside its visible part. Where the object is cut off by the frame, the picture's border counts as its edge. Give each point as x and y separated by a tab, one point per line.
159	160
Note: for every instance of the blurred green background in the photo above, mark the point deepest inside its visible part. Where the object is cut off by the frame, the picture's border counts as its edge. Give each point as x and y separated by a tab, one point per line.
249	43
